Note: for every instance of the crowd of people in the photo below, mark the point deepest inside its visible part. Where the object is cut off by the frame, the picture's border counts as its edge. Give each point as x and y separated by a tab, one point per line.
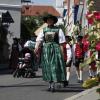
59	54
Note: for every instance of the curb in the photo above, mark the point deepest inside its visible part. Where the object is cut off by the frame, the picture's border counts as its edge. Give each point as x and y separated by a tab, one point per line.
3	66
77	96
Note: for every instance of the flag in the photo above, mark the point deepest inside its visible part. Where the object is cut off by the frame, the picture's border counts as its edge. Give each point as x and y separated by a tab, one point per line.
64	12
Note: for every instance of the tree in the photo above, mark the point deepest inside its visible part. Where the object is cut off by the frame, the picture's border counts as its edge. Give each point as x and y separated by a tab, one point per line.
28	26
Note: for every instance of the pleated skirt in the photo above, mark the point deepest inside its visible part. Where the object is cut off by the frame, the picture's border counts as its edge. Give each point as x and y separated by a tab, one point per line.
52	62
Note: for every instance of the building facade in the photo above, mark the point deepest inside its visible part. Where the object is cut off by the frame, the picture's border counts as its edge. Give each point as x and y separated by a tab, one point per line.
10	19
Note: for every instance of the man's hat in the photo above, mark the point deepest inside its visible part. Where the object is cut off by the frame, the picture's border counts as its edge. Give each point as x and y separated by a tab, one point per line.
80	37
49	16
15	38
68	37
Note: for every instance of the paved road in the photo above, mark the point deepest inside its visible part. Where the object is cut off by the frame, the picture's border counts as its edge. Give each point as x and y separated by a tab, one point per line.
35	88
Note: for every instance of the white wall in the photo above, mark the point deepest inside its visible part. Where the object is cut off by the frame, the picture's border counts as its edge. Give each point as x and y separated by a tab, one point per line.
59	6
14	8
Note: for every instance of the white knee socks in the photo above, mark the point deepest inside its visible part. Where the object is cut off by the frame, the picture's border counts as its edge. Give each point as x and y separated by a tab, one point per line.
68	75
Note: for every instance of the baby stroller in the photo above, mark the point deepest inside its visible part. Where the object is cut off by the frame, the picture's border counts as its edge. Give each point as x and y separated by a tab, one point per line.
19	70
24	68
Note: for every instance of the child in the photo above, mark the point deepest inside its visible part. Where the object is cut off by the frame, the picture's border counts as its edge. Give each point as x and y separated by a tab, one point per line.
67	48
27	60
79	57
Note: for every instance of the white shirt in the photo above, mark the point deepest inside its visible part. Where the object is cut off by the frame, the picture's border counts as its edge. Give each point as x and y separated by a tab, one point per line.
69	52
29	44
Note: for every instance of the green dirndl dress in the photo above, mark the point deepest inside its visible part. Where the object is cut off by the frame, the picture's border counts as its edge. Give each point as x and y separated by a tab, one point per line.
52	61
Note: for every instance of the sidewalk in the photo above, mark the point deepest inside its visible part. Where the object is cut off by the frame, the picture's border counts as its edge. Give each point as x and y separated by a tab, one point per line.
89	94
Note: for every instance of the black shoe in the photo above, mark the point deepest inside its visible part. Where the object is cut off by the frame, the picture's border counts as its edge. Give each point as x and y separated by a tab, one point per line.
52	89
65	83
49	89
80	81
90	77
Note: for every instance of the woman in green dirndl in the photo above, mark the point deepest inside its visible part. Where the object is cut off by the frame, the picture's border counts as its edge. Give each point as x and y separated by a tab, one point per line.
52	61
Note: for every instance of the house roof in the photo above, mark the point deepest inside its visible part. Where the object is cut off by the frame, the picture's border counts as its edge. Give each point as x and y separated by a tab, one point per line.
35	10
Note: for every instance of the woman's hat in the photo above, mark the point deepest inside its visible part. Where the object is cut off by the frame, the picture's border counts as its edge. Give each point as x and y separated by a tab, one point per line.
49	16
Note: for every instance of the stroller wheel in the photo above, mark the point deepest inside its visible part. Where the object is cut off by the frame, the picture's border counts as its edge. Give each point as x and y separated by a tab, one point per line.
26	75
15	73
33	74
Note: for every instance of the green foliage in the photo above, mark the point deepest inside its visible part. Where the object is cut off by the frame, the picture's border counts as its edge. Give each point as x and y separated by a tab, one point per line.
89	83
94	35
87	61
63	27
88	2
98	65
77	29
28	25
92	40
98	90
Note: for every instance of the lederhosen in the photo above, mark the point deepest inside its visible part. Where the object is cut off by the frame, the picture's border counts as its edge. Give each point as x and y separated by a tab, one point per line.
79	54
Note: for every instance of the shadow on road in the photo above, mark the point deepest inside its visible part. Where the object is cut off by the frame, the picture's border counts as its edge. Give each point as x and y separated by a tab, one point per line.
70	88
10	72
13	86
